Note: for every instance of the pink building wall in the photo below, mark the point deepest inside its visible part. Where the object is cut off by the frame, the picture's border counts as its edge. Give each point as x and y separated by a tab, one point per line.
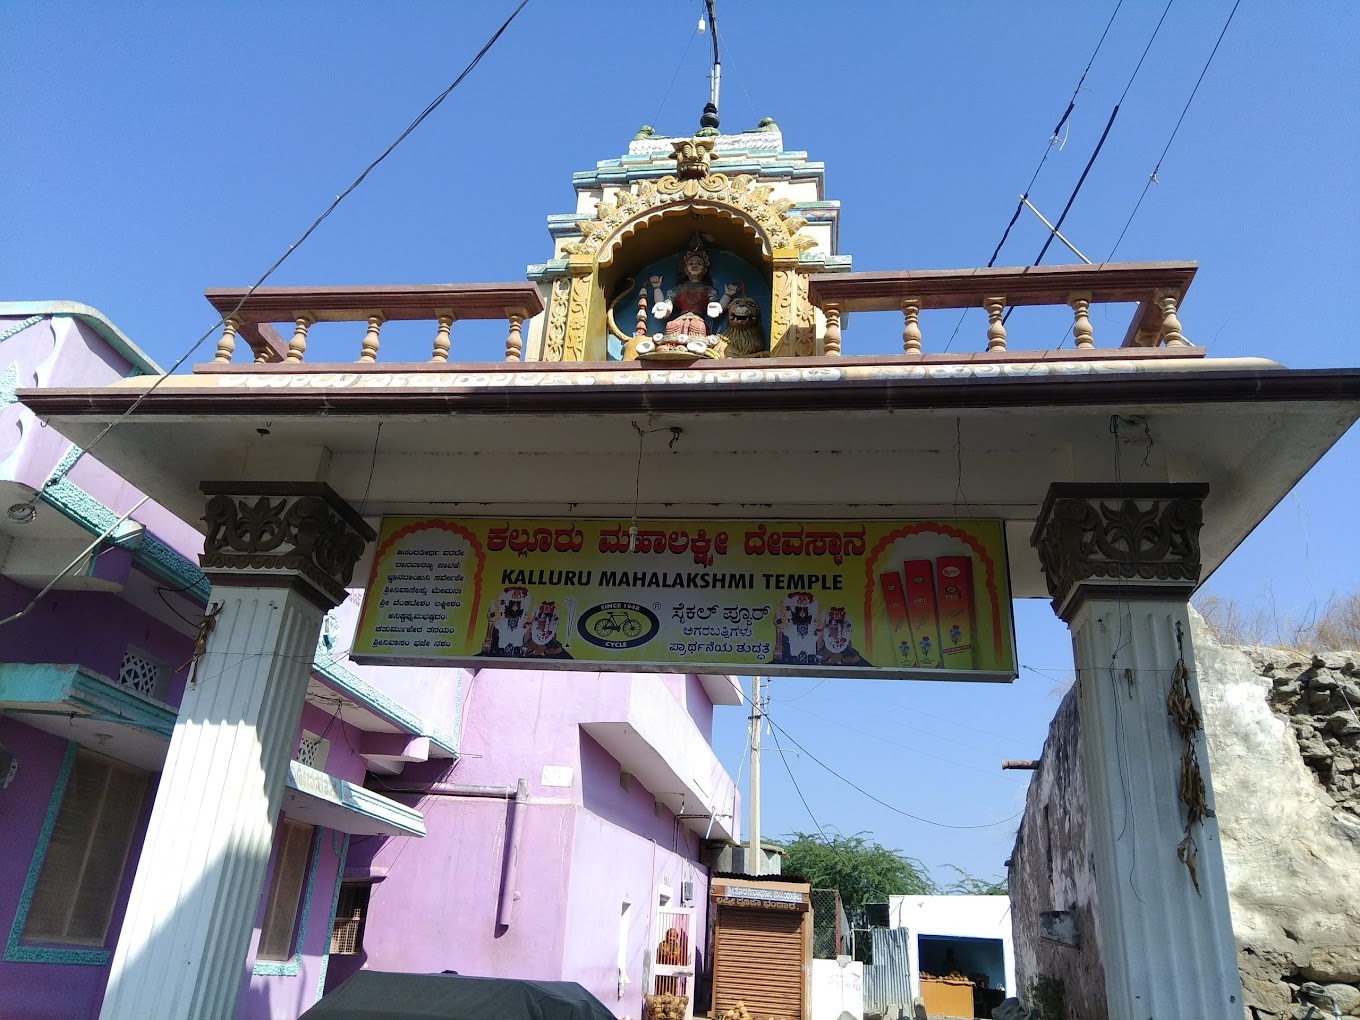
586	847
91	629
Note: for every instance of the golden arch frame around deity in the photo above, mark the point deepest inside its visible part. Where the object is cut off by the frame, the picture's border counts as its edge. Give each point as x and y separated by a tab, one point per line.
577	311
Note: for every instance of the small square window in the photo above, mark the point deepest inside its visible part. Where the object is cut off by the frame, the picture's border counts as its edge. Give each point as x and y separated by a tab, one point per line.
351	911
144	673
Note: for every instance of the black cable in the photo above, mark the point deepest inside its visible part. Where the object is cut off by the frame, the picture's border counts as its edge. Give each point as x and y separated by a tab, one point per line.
1152	178
1099	145
429	109
1052	140
373	463
1073	197
787	768
667	94
878	800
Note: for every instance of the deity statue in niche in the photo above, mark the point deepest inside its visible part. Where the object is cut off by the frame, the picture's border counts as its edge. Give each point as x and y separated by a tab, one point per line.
684	306
696	317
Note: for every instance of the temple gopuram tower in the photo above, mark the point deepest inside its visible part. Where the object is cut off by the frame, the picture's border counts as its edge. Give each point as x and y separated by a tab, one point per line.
755	214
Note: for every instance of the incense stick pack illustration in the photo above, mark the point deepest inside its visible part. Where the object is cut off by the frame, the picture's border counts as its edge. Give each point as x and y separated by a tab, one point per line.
895	604
923	613
954	586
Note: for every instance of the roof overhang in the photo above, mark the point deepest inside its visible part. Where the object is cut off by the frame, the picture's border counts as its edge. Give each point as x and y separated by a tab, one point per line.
321	799
75	703
859	437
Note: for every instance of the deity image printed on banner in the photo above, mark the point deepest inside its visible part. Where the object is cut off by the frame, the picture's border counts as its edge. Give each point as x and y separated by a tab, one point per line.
806	636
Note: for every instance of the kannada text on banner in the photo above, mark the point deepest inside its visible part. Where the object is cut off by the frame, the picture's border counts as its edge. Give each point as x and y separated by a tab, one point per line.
927	599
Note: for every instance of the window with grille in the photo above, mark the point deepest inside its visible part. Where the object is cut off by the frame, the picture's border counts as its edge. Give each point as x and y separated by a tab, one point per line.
313	751
87	852
285	891
351	909
144	673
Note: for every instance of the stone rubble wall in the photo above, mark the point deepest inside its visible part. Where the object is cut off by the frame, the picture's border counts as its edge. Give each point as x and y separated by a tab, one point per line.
1283	733
1284	751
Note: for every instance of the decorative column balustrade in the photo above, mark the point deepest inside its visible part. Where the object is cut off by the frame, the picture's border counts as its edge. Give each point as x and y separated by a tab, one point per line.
297	346
303	307
1156	288
440	351
278	557
1171	326
996	329
911	328
1082	334
831	343
1121	562
514	343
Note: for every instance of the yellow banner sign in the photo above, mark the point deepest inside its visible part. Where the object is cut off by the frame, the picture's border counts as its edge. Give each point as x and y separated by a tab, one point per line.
917	599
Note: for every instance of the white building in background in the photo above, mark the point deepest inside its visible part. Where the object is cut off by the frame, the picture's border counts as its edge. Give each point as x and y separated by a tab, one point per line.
970	935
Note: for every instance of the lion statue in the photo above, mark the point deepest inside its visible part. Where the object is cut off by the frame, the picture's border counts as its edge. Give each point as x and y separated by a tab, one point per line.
744	337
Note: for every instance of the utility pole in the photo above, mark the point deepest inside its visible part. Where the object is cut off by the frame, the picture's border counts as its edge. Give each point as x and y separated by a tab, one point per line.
753	865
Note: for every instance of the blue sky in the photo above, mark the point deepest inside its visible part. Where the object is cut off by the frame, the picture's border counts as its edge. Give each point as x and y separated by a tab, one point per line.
154	150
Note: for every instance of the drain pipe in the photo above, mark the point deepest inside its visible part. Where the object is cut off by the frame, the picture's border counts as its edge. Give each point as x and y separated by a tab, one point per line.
505	914
519	797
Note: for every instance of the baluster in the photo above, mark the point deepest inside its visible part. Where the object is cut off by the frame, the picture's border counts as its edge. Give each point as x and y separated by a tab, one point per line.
641	328
996	329
831	342
297	346
369	349
514	344
1081	322
226	347
441	337
911	330
1171	326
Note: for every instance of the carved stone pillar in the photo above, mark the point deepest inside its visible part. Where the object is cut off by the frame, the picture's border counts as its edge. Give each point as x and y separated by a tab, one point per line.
279	556
1121	562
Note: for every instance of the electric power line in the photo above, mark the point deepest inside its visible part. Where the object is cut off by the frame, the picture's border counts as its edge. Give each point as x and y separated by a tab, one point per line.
1152	178
878	800
908	747
429	109
1057	226
789	769
1052	140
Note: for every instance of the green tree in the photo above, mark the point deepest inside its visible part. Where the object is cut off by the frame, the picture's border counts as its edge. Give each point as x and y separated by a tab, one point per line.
971	885
863	870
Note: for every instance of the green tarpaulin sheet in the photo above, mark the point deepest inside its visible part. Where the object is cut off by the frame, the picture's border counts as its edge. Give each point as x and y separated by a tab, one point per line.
378	995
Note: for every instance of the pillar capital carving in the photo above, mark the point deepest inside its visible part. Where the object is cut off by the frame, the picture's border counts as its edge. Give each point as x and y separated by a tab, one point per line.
290	534
1119	541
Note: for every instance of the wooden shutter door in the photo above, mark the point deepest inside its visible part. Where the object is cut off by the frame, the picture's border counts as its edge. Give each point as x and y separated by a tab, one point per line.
760	962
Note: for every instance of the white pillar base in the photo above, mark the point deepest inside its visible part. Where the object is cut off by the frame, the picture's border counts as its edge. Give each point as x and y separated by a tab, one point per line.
198	884
1168	951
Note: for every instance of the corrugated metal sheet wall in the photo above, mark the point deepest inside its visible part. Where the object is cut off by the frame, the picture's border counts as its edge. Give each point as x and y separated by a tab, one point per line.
887	981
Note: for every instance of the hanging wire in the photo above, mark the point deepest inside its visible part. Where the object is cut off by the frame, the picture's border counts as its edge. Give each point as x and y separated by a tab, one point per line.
878	800
1152	178
429	109
1052	140
912	748
789	769
656	119
1100	144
